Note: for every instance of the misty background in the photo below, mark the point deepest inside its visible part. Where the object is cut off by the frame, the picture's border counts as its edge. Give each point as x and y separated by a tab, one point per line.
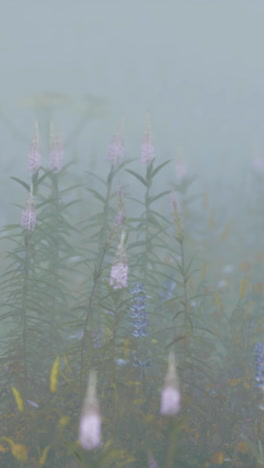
195	66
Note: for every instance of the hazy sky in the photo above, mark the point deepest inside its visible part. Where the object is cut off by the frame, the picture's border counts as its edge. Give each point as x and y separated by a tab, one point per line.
197	67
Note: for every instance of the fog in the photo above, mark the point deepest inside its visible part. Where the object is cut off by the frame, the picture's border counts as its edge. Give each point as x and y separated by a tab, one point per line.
196	66
117	266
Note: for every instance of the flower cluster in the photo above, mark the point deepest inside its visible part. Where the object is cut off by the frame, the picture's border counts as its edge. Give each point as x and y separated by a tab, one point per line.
28	219
147	148
140	322
119	270
116	150
259	364
139	315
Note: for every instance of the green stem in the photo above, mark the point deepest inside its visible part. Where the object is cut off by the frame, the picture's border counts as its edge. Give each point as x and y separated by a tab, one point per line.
185	299
97	275
102	248
24	306
146	235
171	445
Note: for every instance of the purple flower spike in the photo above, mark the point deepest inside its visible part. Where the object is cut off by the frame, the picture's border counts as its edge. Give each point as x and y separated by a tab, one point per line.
119	270
28	219
259	364
147	148
116	150
34	160
118	278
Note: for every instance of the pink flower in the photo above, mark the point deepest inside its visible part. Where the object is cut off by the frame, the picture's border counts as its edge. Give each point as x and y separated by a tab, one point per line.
56	154
90	421
116	150
28	219
34	161
147	148
118	277
119	270
170	396
119	219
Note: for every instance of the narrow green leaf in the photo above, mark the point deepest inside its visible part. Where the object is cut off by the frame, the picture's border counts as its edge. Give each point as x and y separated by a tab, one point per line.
152	199
158	168
21	182
139	177
97	195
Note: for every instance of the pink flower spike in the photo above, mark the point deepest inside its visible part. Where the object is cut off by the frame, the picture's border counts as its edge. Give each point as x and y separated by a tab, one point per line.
116	150
119	270
34	160
119	219
118	278
28	219
147	148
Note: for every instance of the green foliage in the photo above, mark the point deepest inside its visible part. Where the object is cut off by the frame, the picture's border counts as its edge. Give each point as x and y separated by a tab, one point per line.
58	305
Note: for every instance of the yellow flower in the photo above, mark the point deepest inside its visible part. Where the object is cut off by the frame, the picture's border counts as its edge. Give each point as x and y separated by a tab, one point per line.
44	455
243	447
54	375
20	452
218	457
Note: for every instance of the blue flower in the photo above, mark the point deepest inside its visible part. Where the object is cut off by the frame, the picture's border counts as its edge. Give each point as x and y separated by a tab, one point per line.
139	315
259	364
140	322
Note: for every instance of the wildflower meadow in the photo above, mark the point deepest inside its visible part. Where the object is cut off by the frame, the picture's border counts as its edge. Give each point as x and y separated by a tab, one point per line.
131	317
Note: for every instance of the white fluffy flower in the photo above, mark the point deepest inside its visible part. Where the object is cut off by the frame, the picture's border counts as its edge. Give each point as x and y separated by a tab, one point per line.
90	421
90	430
170	401
170	396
